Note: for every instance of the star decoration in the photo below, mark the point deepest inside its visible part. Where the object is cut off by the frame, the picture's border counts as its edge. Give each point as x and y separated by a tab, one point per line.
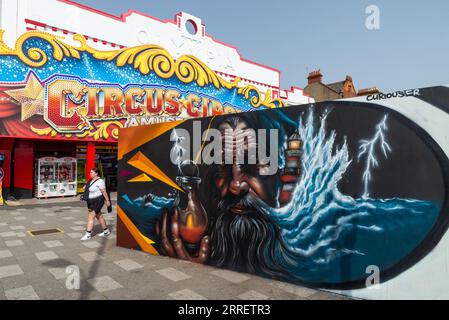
31	97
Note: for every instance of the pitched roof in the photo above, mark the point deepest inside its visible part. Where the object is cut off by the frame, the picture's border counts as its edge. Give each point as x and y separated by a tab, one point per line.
337	86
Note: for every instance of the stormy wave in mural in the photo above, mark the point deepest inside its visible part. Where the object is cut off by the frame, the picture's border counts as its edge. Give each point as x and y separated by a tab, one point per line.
356	187
328	230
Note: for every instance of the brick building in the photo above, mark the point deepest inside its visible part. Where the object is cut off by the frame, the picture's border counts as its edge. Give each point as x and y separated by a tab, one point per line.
320	91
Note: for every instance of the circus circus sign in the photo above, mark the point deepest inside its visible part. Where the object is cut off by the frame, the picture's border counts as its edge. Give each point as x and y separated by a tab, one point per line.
49	88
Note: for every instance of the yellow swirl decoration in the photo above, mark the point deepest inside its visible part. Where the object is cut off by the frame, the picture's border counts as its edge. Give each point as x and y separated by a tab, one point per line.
272	103
47	132
145	58
36	57
102	131
252	93
153	58
43	131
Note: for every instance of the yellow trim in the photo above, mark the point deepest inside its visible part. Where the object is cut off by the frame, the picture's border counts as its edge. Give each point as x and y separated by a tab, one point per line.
29	231
144	242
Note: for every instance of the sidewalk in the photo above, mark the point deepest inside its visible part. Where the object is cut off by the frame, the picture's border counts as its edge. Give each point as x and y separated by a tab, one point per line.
37	202
34	267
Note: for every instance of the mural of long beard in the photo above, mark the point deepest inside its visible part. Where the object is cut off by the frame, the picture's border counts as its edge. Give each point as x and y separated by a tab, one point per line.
249	243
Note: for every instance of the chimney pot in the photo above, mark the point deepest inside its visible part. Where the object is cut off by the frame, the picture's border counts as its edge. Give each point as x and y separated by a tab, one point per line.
315	77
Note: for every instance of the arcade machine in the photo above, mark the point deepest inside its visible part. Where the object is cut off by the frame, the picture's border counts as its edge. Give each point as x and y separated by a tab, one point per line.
47	180
67	176
55	177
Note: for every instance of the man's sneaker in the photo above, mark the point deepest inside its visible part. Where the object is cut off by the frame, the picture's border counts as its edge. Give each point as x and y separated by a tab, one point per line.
87	236
105	233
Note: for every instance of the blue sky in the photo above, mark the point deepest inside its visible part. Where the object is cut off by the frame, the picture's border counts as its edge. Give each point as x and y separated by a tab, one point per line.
411	49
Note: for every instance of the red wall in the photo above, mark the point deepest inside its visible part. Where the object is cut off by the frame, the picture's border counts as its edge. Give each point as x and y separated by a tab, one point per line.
24	152
6	148
23	169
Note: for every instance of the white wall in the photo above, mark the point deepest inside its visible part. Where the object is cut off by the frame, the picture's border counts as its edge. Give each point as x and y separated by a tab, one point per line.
429	278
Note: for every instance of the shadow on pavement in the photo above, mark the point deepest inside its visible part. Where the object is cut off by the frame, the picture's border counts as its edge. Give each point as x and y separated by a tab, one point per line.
85	288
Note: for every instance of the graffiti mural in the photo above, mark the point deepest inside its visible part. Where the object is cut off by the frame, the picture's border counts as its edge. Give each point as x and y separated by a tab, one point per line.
355	185
55	87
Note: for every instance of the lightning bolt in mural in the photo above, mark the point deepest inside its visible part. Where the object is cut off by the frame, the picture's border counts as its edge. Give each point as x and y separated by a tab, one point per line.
368	147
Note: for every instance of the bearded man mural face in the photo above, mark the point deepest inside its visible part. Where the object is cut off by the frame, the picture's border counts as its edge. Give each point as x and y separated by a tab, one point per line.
240	236
243	238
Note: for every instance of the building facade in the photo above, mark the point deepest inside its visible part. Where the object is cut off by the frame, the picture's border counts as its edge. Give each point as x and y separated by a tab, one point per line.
183	42
65	18
320	91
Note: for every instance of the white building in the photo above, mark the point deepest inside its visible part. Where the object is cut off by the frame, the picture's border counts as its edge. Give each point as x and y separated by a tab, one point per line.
107	32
